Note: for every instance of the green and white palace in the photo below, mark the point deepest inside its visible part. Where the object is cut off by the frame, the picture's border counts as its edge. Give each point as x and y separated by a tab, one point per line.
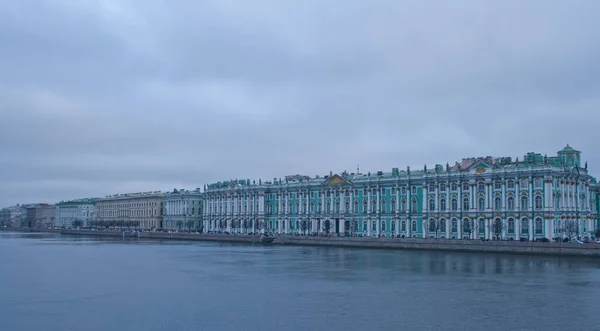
482	197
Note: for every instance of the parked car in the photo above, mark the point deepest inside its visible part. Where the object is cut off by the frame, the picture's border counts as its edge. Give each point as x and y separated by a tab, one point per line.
576	241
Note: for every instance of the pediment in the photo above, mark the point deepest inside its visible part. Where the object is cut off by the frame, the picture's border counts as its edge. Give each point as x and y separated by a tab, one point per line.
336	180
480	167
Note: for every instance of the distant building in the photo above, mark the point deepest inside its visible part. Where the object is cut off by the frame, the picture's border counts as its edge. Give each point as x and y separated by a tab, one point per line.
45	215
183	210
75	213
10	216
483	197
138	210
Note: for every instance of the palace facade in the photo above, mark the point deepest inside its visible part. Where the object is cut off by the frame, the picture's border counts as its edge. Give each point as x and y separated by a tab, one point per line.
75	213
483	197
139	210
182	210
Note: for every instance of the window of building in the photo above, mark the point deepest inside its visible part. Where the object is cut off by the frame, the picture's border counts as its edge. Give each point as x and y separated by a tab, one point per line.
432	225
364	206
356	192
442	225
393	205
374	191
454	204
414	190
511	225
442	187
510	202
414	226
524	225
523	184
414	205
465	204
382	226
403	190
402	205
393	191
382	191
510	184
524	202
481	204
431	204
481	225
465	186
442	204
454	225
481	186
538	183
431	188
498	203
453	187
373	226
538	202
497	184
539	226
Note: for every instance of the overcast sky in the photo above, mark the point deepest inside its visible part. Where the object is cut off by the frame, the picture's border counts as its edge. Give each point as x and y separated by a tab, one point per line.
114	96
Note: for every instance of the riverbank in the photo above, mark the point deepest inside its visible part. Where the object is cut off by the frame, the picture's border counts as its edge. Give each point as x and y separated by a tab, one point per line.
514	247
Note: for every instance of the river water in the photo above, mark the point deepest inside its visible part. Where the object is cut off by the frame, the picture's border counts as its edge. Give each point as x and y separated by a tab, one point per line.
52	282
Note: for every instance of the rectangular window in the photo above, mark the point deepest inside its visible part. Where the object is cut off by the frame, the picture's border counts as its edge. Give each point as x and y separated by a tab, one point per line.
465	186
497	185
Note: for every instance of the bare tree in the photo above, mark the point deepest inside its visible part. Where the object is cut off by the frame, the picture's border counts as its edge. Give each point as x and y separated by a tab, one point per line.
468	227
497	228
570	228
327	225
353	227
77	223
597	233
189	224
303	227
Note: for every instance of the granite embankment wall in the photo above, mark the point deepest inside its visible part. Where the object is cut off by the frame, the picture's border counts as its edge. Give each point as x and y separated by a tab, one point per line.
590	249
516	247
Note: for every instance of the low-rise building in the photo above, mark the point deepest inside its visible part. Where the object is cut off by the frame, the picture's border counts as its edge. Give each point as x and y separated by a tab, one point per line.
138	210
75	213
183	210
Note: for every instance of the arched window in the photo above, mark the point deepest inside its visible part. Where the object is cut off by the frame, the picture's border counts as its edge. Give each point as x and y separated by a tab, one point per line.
454	225
481	225
442	225
524	201
414	226
364	206
481	204
382	206
524	225
498	203
402	205
373	206
442	204
466	226
393	206
431	225
414	205
403	228
539	225
465	203
347	210
355	206
431	204
510	202
382	226
511	225
373	226
538	202
328	207
393	223
365	226
454	204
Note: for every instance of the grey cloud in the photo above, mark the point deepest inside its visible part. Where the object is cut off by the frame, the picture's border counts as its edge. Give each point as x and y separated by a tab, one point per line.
109	96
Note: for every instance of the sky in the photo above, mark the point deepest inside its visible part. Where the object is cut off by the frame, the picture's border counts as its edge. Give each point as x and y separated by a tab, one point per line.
116	96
